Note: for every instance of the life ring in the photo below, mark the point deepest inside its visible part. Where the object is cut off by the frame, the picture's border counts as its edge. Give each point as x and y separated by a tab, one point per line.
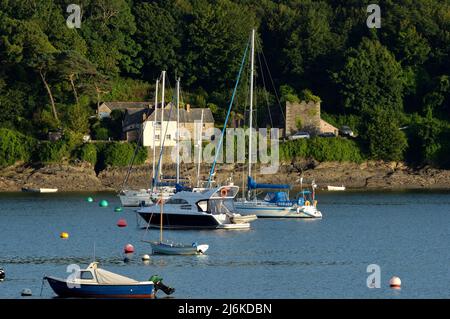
307	203
223	192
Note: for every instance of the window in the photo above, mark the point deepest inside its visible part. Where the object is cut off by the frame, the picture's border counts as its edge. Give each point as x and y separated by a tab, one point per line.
157	137
86	275
177	201
221	206
203	205
168	136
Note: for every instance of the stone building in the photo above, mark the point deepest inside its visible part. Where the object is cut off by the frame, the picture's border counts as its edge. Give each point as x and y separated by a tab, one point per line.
305	116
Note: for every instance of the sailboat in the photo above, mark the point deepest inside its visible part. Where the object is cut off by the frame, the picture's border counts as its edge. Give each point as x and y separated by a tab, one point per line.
169	248
275	203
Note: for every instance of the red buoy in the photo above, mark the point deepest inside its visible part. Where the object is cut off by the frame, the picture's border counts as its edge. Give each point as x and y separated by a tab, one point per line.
122	223
128	249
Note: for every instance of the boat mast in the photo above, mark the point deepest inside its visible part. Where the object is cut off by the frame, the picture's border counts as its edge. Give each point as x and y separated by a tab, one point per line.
252	62
161	210
178	131
162	116
154	132
199	145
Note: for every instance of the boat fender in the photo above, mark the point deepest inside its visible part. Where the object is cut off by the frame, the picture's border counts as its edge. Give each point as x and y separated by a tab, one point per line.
315	203
223	192
307	203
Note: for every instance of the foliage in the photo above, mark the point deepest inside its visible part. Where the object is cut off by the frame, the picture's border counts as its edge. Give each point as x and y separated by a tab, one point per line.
88	153
52	152
14	147
322	149
53	77
121	154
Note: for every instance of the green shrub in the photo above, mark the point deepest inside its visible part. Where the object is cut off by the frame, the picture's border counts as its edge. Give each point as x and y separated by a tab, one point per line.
141	155
88	153
322	149
101	133
14	146
118	154
52	152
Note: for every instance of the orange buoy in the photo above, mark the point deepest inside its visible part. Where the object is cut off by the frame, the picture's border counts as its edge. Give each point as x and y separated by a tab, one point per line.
64	235
128	249
395	283
122	223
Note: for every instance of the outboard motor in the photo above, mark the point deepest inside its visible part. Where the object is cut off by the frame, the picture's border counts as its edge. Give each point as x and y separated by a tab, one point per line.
157	281
2	274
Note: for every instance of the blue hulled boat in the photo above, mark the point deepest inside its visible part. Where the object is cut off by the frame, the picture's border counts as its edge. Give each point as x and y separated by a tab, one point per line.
94	282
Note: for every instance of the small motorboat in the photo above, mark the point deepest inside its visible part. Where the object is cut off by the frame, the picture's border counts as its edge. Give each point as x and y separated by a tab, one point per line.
336	188
2	274
39	190
162	248
94	282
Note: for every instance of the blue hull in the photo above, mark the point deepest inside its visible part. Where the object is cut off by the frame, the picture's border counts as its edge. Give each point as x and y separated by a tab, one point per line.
61	288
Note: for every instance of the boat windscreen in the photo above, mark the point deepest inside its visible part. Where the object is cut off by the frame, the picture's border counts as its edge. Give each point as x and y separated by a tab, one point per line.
221	206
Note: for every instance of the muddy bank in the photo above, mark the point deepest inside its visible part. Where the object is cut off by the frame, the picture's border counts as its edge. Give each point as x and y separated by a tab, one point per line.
368	175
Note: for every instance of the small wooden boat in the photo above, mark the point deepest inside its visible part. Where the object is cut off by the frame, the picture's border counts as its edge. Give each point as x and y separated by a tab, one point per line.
178	249
39	190
94	282
336	188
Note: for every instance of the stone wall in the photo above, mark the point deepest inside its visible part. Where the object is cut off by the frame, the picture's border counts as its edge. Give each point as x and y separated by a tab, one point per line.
308	113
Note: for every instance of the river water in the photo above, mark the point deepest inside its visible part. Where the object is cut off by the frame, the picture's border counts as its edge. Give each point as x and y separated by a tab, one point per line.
406	234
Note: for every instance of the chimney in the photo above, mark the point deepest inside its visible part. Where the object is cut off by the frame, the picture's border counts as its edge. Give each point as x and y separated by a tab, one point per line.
188	107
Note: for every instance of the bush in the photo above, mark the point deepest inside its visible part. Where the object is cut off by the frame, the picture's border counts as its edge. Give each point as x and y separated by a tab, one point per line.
322	149
120	154
101	133
14	146
51	152
88	153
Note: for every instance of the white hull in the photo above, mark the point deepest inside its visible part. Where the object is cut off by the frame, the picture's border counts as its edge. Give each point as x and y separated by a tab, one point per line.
336	188
130	198
272	211
40	190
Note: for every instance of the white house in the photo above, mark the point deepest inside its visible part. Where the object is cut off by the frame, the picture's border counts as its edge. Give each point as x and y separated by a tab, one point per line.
143	119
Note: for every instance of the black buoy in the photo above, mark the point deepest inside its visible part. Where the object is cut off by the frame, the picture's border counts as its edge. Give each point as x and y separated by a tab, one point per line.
2	274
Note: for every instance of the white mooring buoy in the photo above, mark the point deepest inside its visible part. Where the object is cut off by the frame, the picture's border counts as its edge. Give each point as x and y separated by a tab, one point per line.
26	292
145	257
395	283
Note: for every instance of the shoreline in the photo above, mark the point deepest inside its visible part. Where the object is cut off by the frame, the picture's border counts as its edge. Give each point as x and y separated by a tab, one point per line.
355	177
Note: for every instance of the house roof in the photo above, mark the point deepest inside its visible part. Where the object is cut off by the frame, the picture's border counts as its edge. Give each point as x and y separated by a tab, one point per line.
126	105
136	116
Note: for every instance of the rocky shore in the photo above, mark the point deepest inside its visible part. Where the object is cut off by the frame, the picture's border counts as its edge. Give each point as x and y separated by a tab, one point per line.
368	175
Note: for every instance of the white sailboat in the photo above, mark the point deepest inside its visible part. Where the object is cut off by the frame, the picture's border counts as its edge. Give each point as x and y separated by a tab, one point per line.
275	203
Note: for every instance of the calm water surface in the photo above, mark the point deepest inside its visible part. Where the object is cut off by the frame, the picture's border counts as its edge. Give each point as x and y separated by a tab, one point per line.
406	233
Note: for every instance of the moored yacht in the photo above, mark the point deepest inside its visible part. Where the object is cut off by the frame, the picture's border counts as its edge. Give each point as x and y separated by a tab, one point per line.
210	209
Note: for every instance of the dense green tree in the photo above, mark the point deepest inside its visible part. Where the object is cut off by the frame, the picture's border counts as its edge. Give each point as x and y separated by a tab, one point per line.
158	35
215	38
371	77
381	132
